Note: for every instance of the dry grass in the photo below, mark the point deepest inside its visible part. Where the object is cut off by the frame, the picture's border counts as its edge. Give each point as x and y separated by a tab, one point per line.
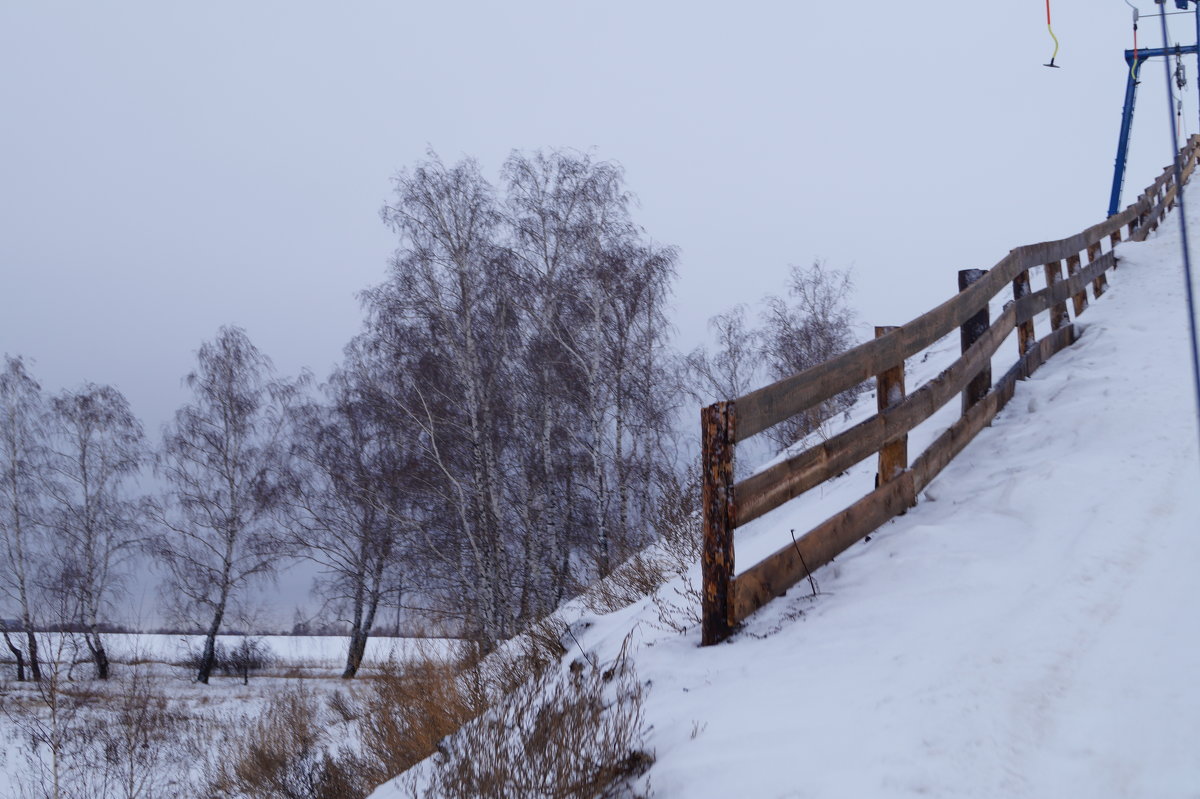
410	710
286	756
574	735
673	556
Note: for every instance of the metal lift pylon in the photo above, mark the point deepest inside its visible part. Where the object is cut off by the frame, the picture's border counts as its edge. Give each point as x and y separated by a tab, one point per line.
1143	55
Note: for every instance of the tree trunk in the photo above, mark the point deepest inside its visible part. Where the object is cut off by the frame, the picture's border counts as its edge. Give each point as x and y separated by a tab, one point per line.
18	655
358	638
95	645
35	666
209	657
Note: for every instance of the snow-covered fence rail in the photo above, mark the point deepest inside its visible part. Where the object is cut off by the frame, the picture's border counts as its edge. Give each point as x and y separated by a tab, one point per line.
727	599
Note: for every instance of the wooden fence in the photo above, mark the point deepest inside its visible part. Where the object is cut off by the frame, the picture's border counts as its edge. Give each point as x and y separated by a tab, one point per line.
727	599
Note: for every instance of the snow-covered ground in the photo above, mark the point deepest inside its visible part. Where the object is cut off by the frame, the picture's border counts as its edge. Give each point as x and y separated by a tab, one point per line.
286	652
1028	630
186	730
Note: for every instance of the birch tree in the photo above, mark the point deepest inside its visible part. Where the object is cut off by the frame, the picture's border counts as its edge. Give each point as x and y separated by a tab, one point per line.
735	367
815	325
556	201
644	402
23	471
349	512
521	346
220	458
594	310
98	449
451	290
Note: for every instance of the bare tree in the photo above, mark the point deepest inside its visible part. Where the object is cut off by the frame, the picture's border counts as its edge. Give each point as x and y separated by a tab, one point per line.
349	510
818	324
220	458
98	448
593	312
636	339
23	471
734	368
447	318
556	201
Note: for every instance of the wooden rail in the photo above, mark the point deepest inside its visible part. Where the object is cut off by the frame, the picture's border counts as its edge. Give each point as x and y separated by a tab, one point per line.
727	600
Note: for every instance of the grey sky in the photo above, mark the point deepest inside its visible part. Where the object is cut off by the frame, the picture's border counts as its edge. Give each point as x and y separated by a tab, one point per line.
170	167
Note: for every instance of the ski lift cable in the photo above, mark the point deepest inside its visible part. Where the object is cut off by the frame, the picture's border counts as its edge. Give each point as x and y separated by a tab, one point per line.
1183	231
1050	28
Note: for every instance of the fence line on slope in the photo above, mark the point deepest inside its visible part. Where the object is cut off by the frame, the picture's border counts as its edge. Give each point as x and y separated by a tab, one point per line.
726	599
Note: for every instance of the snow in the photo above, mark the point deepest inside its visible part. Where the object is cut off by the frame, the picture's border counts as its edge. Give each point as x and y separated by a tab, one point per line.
299	652
1026	631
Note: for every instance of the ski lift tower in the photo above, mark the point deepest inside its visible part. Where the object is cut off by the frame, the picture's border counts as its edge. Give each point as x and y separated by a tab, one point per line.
1135	59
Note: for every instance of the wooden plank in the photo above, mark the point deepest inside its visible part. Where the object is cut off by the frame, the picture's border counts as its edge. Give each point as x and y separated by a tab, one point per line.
1076	283
1160	197
1029	306
773	576
950	443
970	332
1026	335
1059	317
717	423
1079	300
1100	284
889	392
770	488
772	404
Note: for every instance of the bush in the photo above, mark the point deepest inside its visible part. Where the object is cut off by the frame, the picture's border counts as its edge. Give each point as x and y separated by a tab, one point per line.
250	655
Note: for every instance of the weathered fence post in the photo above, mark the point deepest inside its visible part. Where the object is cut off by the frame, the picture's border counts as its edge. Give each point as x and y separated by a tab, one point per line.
969	333
1101	282
1080	300
889	391
1059	318
1026	335
717	424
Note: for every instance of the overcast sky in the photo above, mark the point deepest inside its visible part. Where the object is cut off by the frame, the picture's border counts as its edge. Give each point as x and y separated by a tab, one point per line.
167	168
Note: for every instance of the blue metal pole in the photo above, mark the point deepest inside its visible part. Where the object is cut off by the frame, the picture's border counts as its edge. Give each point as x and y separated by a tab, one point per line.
1114	201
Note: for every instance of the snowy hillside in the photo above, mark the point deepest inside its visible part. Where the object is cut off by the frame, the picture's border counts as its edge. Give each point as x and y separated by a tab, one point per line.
1028	630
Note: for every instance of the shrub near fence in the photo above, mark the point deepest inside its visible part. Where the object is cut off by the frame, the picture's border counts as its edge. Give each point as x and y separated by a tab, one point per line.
727	600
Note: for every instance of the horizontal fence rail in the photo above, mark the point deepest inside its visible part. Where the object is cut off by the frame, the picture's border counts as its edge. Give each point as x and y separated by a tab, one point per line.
727	600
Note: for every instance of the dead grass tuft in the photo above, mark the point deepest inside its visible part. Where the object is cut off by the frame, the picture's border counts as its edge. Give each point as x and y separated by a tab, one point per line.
576	735
410	710
285	756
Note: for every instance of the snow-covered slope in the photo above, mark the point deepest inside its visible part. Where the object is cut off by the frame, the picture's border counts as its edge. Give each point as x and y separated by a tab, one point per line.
1030	629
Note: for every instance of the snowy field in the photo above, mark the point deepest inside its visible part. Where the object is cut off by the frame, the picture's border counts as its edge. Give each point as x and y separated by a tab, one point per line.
298	655
305	653
1026	631
165	730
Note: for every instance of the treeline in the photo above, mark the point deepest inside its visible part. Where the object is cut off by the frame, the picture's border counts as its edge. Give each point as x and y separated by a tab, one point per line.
496	437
